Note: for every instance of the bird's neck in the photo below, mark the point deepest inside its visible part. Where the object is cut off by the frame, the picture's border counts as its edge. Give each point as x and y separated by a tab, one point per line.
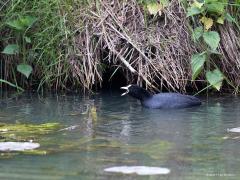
144	95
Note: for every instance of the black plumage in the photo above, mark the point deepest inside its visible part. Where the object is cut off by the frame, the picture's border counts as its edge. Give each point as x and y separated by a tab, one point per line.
161	100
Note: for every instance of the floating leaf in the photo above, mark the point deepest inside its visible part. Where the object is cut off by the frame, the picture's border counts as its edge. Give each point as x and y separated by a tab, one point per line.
11	49
197	33
197	62
215	78
191	11
207	22
212	39
25	69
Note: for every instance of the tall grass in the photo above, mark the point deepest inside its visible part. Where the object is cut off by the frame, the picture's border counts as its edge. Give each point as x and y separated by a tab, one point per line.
51	46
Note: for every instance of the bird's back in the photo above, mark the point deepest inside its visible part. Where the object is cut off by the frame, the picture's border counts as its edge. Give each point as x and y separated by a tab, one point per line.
170	100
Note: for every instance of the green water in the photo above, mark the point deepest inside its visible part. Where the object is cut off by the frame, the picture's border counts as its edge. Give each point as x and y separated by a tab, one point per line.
110	130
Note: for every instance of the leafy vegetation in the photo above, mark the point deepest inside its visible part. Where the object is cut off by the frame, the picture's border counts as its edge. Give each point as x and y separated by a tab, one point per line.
210	38
69	44
205	15
35	38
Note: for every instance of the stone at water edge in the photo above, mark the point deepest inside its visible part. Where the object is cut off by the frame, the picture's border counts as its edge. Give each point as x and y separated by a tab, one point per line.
140	170
235	130
18	146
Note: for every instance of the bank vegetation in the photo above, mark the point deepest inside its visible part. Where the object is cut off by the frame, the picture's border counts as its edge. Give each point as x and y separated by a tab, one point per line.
164	45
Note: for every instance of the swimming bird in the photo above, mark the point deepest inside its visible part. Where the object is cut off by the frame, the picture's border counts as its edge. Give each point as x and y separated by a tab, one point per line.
161	100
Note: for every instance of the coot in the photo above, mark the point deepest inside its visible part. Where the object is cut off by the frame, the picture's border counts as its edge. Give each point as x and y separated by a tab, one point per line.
161	100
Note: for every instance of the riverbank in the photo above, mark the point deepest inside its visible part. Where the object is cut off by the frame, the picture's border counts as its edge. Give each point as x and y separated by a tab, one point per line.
174	45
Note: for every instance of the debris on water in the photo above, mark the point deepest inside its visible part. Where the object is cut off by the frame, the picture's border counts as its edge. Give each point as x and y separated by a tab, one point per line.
140	170
93	113
70	128
234	130
35	152
225	137
74	114
18	146
236	137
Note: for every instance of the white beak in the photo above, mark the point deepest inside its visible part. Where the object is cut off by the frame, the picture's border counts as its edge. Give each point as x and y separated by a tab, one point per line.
126	88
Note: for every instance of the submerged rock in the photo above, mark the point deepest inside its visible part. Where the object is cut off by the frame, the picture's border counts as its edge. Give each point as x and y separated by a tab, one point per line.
140	170
235	130
18	146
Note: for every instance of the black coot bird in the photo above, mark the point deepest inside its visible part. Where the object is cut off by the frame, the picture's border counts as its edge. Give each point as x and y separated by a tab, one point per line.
161	100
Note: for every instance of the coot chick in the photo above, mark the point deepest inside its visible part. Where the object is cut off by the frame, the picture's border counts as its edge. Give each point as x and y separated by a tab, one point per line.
161	100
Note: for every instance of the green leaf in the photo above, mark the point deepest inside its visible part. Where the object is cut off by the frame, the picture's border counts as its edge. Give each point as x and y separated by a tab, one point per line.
16	24
25	69
197	33
154	8
22	23
212	39
11	49
191	11
197	4
28	21
165	3
197	62
27	39
220	20
215	78
215	8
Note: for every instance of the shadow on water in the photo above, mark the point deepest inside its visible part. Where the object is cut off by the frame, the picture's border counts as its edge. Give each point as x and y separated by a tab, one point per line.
107	130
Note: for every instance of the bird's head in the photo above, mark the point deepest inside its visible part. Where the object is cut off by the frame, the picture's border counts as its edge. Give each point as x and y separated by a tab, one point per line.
136	92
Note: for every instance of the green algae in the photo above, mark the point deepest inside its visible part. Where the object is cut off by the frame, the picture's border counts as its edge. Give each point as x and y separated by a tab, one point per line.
52	140
35	152
156	149
25	132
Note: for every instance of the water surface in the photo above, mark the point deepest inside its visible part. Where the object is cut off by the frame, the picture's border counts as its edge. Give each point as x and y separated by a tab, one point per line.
110	130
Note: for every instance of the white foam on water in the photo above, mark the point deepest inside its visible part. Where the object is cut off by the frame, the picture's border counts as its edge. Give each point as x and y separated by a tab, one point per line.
140	170
235	130
18	146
